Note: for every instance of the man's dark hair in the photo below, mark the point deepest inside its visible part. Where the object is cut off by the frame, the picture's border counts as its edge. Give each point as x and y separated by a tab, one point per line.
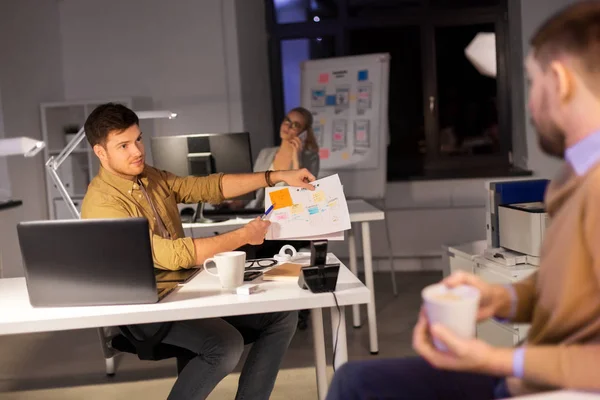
107	118
575	31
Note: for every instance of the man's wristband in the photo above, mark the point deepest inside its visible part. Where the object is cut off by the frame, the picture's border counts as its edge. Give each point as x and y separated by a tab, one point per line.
268	179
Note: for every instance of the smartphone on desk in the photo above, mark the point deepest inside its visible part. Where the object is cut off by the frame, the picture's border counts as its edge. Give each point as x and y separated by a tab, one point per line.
251	275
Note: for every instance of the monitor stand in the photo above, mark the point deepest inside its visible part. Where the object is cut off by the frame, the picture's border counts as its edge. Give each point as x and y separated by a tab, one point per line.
199	216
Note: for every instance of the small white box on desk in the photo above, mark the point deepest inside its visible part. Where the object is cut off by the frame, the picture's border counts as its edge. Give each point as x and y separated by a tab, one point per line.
247	289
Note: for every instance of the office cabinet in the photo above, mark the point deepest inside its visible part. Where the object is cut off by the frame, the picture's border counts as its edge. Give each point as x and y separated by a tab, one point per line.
500	335
462	257
60	209
492	331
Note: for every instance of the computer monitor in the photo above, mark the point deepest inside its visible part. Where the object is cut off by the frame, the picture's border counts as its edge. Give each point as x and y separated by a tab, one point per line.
204	154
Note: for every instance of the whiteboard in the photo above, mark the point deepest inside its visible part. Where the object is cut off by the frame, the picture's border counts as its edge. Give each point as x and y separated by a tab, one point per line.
348	97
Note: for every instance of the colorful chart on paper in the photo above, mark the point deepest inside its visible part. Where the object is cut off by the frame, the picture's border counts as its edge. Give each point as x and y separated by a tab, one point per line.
320	213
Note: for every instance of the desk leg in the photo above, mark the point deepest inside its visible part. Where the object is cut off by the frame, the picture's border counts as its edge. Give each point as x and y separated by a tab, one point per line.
316	316
354	270
340	343
368	259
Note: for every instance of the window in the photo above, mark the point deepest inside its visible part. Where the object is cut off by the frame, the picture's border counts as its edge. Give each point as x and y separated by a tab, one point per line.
293	53
293	11
405	92
467	120
445	118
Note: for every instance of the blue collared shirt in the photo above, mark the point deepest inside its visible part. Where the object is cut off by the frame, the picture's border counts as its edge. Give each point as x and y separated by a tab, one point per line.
582	156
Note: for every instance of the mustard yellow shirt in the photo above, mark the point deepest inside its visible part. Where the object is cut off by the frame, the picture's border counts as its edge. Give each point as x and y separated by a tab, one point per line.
111	196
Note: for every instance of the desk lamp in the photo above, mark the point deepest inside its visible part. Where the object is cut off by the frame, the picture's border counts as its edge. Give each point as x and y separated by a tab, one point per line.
54	163
20	146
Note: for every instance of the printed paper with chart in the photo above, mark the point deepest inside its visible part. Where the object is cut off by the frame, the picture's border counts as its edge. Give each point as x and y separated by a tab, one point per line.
303	214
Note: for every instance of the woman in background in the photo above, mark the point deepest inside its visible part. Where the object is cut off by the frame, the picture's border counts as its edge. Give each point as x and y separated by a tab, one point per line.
298	149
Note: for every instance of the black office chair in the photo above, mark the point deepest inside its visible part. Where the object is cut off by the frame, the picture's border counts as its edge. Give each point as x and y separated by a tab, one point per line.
152	348
162	352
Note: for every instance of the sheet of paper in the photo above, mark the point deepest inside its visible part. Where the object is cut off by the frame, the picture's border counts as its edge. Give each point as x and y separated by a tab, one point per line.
336	236
307	214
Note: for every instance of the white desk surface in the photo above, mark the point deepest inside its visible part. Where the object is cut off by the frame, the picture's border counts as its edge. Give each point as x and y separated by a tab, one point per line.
561	395
360	211
199	298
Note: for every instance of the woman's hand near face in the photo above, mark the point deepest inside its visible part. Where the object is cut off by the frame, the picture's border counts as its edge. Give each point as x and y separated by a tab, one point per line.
296	143
298	146
284	157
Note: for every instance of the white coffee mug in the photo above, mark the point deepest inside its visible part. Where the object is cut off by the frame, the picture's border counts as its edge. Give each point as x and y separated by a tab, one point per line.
454	308
230	268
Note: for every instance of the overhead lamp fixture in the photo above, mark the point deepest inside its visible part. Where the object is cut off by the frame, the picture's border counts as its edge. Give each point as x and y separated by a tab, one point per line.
20	146
54	163
482	53
156	114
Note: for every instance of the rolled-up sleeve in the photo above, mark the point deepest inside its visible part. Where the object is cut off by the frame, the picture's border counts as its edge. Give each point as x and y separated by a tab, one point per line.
173	254
193	189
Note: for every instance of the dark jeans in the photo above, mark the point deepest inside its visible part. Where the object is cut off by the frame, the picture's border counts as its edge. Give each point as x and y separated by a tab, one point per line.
218	343
410	379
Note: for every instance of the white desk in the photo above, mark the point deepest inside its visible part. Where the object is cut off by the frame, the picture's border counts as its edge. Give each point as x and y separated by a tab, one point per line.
199	298
360	212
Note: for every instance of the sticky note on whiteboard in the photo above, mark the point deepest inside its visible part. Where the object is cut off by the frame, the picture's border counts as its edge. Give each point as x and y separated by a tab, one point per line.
281	198
363	75
323	78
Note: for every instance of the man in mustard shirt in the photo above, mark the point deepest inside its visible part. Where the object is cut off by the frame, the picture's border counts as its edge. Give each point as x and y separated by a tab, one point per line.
126	187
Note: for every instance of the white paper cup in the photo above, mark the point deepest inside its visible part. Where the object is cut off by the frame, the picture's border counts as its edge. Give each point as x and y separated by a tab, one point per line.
454	308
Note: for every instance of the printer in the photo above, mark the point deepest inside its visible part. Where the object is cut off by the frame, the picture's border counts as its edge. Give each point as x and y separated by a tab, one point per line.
516	221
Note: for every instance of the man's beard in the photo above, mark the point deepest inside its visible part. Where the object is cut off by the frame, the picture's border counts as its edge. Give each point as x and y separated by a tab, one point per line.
551	139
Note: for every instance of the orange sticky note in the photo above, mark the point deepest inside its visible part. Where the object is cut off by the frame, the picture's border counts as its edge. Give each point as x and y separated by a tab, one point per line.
281	198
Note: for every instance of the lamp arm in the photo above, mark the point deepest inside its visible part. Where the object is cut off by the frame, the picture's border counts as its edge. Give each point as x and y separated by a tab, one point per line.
54	163
68	149
61	188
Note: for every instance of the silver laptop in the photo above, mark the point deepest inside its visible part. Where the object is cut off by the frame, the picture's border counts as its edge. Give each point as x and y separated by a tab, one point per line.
89	262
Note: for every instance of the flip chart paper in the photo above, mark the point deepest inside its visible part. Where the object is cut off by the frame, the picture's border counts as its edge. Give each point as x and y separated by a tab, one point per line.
321	213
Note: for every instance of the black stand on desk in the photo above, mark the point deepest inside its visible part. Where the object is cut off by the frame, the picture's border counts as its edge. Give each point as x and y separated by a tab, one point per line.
199	216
